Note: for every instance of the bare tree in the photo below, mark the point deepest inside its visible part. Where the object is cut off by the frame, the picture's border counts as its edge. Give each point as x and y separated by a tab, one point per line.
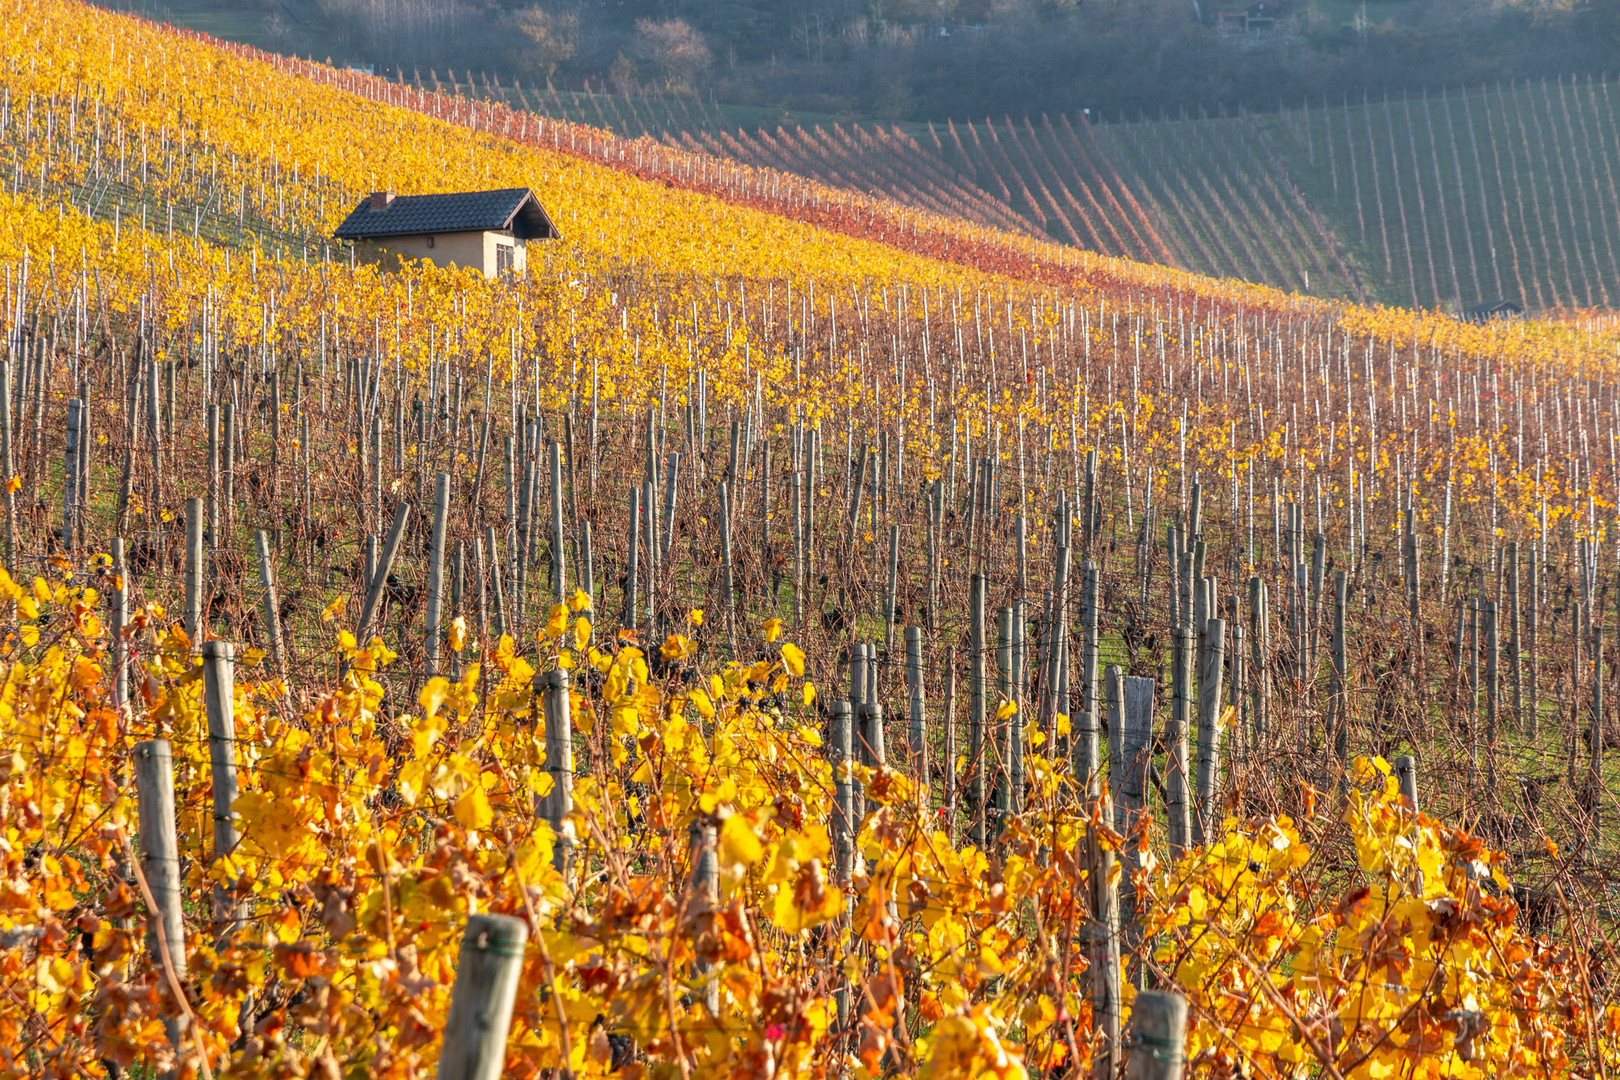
549	38
673	49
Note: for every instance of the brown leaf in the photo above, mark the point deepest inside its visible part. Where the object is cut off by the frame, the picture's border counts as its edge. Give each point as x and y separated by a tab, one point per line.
600	1049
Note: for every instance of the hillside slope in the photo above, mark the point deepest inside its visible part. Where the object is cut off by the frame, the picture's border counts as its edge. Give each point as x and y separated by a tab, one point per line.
745	613
1438	201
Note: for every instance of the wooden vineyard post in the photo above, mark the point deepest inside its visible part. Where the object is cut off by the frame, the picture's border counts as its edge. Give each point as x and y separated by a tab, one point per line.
487	976
481	578
228	471
509	459
458	598
869	750
491	545
936	524
1090	613
1458	640
1090	525
160	860
154	434
727	575
1104	950
798	550
1114	701
1014	676
649	532
894	580
1259	656
70	475
1475	618
558	804
1158	1036
705	884
308	495
1201	613
1206	818
1003	795
977	703
1515	614
1594	778
855	666
587	567
86	458
948	757
1136	750
1173	557
861	678
213	474
272	606
194	570
815	474
1318	568
671	487
1175	742
275	437
118	595
1414	612
841	725
520	545
1304	666
1339	706
1406	781
219	691
1236	690
1492	643
1050	647
869	718
7	460
858	479
843	813
370	571
1532	721
435	582
559	575
1085	724
917	718
1406	778
379	577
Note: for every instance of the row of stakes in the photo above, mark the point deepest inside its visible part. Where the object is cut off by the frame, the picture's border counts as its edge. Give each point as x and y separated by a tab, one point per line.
492	948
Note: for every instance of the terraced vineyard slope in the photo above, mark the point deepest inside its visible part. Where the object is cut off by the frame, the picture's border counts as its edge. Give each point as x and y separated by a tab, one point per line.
778	634
1439	201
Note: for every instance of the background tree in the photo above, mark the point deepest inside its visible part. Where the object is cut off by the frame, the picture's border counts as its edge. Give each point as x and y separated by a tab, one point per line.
548	38
672	49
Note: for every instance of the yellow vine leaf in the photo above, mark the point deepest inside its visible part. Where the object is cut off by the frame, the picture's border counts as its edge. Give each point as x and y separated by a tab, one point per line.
793	658
473	809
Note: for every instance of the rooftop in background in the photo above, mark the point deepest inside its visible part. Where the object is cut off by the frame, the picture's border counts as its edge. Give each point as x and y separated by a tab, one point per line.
1493	309
517	209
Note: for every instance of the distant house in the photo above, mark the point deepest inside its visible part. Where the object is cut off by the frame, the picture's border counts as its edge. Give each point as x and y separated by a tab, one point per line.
1493	309
1256	18
487	230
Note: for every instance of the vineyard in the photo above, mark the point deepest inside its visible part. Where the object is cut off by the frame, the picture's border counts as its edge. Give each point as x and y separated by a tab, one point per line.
786	631
1440	201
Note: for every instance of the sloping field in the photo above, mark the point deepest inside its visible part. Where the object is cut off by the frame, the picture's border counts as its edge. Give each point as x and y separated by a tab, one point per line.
784	634
1505	191
1438	201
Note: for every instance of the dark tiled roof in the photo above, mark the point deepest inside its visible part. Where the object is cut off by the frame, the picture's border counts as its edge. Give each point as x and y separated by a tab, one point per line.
462	211
1493	309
